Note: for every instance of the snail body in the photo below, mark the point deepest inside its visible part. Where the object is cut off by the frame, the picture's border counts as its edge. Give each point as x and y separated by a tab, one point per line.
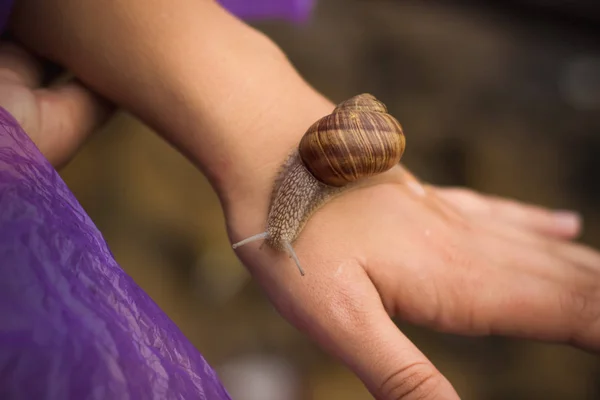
359	139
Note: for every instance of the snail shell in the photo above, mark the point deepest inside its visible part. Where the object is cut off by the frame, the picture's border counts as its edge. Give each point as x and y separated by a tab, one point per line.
358	139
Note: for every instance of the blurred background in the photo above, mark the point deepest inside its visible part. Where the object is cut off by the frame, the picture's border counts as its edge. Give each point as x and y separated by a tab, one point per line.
502	97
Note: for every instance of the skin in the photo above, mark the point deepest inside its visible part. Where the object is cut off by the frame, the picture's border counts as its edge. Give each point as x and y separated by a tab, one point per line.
449	259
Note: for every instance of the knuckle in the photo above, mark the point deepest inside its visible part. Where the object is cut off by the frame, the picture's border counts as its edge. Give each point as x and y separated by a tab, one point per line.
583	304
457	250
415	381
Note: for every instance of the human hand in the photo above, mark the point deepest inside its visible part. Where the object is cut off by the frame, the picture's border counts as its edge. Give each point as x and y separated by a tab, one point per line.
448	259
58	118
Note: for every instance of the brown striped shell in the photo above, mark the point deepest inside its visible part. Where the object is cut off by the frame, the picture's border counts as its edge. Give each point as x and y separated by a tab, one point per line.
358	139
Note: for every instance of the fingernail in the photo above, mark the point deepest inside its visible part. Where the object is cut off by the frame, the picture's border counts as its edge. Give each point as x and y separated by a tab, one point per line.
567	220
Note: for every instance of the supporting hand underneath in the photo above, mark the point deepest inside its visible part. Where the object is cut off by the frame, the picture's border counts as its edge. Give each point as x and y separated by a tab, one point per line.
58	117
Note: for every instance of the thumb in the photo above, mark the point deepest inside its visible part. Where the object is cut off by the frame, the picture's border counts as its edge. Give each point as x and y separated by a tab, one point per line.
58	118
344	314
391	365
69	113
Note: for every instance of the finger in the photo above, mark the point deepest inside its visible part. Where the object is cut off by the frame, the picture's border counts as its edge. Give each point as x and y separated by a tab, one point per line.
396	367
534	295
69	113
343	312
578	255
21	67
564	224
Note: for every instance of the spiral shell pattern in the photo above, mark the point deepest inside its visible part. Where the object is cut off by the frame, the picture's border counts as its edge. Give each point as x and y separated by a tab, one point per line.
357	140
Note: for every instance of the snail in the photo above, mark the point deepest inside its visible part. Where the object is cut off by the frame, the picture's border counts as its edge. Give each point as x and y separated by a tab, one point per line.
357	140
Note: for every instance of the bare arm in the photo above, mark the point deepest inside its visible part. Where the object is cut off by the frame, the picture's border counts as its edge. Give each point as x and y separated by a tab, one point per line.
199	76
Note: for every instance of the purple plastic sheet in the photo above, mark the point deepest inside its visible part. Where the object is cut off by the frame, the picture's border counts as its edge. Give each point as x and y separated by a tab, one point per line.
73	324
293	10
4	10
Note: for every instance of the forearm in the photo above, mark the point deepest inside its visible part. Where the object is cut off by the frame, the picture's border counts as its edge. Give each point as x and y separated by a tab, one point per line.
217	89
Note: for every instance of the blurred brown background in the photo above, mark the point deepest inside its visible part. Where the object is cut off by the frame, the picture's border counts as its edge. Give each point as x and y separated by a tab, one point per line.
503	100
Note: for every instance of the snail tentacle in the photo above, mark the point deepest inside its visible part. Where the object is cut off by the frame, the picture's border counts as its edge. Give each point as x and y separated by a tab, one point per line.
265	235
292	253
253	238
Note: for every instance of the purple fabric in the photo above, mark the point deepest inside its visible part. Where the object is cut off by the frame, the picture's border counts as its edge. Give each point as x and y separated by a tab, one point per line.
294	10
5	6
73	324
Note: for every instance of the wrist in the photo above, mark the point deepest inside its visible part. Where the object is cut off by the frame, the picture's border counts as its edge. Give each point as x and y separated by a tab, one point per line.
240	126
245	184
